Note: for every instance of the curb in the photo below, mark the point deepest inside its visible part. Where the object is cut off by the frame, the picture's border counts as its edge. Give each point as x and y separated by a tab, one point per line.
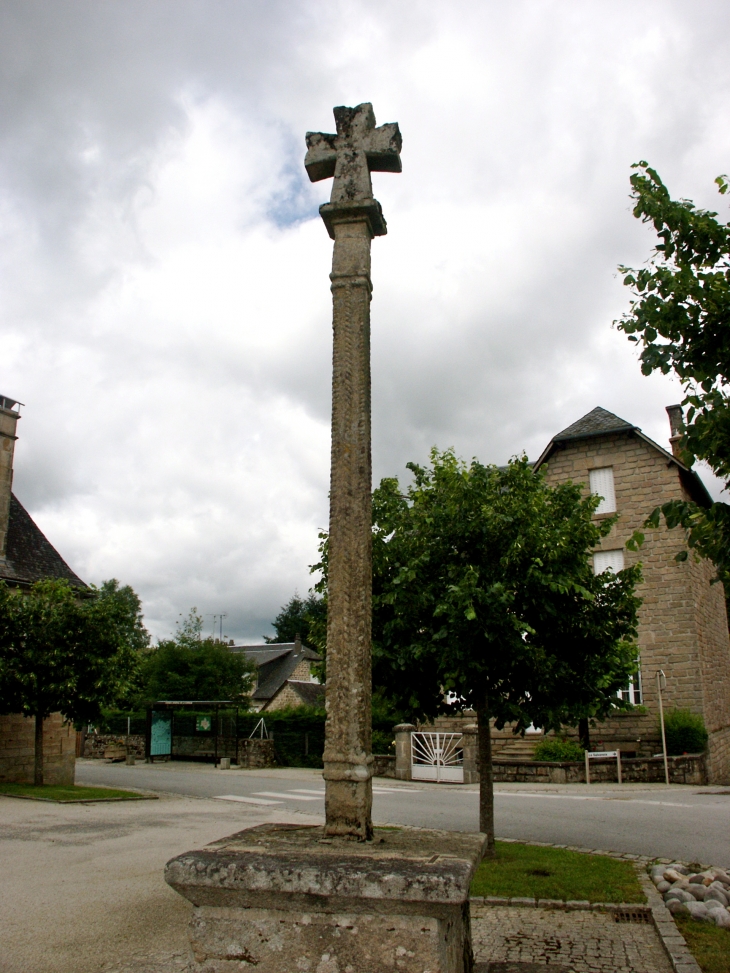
624	909
672	939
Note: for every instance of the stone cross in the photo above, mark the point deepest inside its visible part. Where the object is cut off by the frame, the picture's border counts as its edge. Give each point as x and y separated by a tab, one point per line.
352	217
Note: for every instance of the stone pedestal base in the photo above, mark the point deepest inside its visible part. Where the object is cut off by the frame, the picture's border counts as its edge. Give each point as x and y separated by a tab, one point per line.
285	898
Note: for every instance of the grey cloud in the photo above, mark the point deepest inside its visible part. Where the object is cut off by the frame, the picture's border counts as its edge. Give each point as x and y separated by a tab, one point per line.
165	299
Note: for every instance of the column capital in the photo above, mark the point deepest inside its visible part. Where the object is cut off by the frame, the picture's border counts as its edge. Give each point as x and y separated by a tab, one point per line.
367	210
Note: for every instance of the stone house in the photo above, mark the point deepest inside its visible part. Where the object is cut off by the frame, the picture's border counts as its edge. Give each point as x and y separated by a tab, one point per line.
683	626
284	675
26	556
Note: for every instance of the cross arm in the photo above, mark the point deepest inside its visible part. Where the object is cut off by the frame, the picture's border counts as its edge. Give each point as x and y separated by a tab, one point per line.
321	156
382	147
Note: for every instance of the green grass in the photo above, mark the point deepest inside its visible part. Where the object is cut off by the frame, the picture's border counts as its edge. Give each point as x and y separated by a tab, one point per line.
553	873
69	794
710	946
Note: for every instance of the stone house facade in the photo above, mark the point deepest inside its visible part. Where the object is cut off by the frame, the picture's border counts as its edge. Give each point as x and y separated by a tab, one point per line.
683	626
27	556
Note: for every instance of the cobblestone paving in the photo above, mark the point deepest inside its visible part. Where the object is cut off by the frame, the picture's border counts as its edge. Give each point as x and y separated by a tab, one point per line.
585	942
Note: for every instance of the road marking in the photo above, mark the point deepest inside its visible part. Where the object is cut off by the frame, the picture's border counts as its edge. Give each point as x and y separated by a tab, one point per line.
244	800
587	797
376	790
287	796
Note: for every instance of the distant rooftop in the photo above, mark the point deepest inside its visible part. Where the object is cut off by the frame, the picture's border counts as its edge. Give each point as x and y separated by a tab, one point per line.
275	661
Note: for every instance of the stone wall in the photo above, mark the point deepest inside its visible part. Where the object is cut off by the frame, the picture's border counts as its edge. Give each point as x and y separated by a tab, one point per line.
689	769
682	621
383	765
630	732
256	754
17	749
96	744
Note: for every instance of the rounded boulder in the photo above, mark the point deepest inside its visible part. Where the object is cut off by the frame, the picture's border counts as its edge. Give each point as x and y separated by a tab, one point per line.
678	908
678	895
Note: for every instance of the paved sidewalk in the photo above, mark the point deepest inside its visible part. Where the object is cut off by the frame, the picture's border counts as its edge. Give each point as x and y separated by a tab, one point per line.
584	942
83	888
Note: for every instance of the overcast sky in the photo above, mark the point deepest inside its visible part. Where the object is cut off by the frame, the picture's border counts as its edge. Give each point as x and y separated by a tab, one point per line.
164	298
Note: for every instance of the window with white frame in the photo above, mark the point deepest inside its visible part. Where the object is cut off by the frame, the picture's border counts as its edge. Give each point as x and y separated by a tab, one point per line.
608	561
602	486
632	692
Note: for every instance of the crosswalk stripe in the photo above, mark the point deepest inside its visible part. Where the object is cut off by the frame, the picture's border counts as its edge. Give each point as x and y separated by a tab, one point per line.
396	790
243	800
287	796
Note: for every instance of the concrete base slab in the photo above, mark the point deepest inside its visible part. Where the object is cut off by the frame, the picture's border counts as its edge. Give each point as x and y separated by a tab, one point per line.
283	897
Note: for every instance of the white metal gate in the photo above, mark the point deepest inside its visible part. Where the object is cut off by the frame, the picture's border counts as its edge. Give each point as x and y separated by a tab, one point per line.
437	756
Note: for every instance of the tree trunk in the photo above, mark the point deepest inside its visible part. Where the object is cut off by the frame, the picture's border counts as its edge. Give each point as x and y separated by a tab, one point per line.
486	778
38	770
584	733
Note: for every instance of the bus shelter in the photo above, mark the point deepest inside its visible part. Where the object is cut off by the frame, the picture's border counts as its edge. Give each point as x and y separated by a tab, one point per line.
192	729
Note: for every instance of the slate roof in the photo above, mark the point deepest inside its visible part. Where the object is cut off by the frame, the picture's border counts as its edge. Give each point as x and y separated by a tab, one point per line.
275	663
30	556
598	422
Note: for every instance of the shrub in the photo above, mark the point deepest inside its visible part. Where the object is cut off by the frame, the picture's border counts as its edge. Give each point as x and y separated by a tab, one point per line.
685	732
558	750
383	742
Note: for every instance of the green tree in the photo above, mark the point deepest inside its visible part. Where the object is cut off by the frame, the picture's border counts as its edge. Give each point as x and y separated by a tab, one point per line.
64	651
484	594
191	667
300	616
680	315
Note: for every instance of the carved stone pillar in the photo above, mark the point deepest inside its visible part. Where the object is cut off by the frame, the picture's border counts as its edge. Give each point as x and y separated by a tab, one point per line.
348	759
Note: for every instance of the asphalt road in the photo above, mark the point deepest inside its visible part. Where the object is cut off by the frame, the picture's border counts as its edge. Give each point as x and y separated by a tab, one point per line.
688	823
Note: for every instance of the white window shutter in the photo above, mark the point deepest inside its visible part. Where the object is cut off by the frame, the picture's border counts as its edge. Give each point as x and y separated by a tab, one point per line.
608	561
602	486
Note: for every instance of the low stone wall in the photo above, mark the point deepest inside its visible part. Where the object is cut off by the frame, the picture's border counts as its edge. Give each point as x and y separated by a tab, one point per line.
383	765
96	744
17	750
689	769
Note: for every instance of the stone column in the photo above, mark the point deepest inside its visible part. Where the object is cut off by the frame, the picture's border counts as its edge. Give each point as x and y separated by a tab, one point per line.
470	751
292	897
403	770
352	217
347	754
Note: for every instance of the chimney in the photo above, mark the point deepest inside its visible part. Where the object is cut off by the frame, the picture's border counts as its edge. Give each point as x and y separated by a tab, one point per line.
676	425
8	421
297	644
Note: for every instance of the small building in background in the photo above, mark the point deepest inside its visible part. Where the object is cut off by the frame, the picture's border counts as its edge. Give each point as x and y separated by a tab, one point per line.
285	676
27	556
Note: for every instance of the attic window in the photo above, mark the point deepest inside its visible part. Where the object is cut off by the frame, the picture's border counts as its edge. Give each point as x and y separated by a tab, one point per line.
602	486
608	561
